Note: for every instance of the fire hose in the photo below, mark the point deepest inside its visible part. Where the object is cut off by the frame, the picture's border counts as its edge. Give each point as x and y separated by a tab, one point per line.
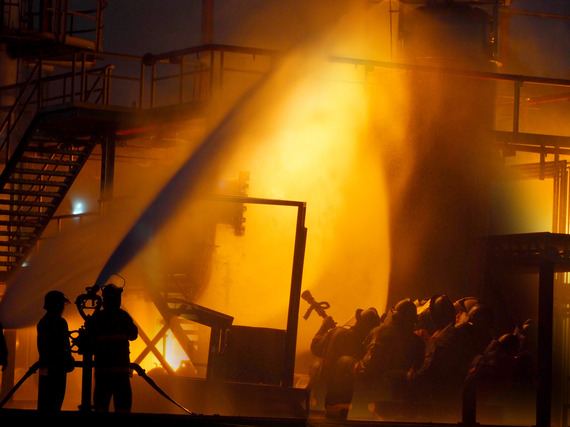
140	371
87	304
31	370
151	382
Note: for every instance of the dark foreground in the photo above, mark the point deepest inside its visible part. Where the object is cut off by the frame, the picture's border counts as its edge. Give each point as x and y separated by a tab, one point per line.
23	417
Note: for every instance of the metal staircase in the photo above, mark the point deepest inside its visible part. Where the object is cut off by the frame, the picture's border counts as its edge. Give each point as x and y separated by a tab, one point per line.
33	184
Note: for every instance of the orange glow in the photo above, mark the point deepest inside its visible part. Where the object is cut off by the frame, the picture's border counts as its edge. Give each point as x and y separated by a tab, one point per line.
312	139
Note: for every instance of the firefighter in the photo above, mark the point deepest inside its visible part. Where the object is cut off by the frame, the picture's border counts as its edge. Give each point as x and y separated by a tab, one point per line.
330	343
54	348
434	314
393	350
111	329
448	357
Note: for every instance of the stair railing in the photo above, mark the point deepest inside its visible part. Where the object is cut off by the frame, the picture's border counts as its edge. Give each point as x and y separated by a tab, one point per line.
32	96
28	90
59	20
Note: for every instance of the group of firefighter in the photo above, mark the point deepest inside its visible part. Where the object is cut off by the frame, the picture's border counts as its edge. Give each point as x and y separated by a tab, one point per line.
109	332
417	359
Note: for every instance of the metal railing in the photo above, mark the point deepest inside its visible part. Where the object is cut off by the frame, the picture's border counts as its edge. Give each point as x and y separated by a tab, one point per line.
57	20
201	73
79	84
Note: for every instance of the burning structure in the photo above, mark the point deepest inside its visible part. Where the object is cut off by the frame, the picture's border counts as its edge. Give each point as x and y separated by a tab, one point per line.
365	152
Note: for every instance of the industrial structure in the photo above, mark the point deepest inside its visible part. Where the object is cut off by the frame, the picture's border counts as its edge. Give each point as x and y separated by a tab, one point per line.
66	104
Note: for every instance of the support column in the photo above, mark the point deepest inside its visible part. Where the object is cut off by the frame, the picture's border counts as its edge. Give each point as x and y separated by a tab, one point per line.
545	317
294	299
207	21
107	170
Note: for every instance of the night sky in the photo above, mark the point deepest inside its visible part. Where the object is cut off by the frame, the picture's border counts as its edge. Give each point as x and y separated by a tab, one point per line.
537	46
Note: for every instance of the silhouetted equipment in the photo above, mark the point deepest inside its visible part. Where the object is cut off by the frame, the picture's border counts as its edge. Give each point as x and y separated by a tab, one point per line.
544	254
87	304
448	31
140	371
219	324
254	355
319	307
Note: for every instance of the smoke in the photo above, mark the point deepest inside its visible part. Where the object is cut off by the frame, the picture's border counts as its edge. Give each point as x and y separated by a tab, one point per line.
375	175
68	262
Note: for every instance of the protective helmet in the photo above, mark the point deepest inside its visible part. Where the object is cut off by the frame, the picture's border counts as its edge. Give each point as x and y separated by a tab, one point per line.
368	318
481	316
405	313
54	298
111	296
463	305
442	311
111	290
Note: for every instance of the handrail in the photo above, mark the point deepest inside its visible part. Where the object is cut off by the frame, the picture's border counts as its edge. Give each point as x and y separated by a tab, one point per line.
34	81
7	125
196	72
521	78
59	20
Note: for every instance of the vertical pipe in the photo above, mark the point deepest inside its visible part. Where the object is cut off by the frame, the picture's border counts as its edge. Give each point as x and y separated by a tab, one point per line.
495	30
107	88
73	70
562	207
107	168
517	106
2	12
98	28
212	64
39	86
221	77
83	78
152	85
141	85
556	200
57	25
545	317
294	298
207	21
181	87
86	382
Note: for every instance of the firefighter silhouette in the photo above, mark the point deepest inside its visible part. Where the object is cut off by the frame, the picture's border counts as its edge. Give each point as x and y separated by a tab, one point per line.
111	329
54	348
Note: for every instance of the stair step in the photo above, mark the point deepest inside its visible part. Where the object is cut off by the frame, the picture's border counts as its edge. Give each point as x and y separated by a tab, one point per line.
30	171
35	182
56	150
48	161
9	264
14	234
27	203
57	144
19	223
15	243
21	213
52	194
12	254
